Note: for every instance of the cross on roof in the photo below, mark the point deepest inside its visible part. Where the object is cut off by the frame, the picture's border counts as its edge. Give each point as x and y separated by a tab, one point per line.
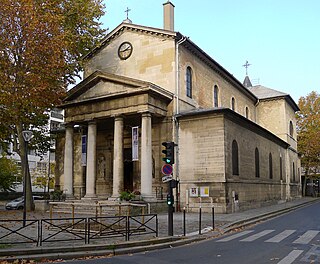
127	11
246	65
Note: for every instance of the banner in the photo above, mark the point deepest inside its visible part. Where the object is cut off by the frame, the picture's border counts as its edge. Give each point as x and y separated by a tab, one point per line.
84	150
135	143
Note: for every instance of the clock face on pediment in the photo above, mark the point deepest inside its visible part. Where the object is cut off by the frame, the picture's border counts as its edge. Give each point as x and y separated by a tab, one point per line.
125	50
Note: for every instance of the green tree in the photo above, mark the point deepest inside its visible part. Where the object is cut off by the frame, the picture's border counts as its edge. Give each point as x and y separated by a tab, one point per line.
308	128
9	174
41	43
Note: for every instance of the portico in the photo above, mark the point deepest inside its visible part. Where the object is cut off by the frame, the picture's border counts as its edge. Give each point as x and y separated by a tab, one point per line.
105	109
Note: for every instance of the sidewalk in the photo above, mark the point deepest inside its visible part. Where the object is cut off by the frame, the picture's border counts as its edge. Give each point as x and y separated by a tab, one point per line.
72	249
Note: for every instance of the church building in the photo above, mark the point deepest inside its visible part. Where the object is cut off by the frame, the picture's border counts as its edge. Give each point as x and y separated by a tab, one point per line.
236	143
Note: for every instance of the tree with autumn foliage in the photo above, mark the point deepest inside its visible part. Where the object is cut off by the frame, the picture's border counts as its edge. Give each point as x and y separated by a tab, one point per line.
41	43
308	128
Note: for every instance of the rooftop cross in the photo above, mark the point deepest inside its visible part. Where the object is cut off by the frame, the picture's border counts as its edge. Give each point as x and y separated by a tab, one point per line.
246	65
127	11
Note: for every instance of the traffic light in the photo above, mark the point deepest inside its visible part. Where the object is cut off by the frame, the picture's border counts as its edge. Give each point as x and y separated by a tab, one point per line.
170	199
168	152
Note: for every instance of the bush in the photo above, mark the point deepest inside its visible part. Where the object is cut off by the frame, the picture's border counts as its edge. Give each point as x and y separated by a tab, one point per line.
57	195
126	196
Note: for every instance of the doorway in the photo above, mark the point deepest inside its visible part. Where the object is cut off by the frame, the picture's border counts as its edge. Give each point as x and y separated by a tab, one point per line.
128	170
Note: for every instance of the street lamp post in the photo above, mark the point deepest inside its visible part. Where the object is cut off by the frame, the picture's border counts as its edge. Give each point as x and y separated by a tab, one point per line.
27	135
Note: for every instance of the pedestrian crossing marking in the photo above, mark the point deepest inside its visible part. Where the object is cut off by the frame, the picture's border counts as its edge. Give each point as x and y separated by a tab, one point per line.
256	236
229	238
291	257
306	237
278	238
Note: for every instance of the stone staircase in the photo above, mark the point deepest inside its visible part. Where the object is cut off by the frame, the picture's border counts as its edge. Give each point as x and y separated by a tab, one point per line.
88	208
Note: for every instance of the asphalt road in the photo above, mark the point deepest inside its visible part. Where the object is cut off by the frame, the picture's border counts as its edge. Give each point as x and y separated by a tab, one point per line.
290	238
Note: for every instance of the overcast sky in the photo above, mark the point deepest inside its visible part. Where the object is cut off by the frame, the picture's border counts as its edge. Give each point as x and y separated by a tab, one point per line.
279	38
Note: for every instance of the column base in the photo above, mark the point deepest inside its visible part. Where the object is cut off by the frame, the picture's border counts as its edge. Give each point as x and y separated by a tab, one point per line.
70	197
89	197
149	198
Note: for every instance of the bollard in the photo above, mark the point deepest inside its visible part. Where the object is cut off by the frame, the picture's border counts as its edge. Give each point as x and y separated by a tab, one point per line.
184	221
72	205
200	220
51	209
212	217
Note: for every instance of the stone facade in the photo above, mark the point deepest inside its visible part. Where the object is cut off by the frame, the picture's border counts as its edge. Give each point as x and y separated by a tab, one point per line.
225	132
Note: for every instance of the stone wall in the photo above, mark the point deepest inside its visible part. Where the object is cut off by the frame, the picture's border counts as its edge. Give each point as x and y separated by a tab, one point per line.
152	59
205	147
204	79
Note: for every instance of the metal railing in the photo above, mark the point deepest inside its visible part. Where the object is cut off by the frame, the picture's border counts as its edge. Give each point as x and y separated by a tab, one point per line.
13	230
63	229
83	229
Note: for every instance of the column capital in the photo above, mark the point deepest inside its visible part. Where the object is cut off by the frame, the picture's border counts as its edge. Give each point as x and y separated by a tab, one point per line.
145	114
69	125
92	122
118	117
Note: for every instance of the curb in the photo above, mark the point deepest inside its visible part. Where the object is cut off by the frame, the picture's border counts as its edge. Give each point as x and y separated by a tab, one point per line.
101	250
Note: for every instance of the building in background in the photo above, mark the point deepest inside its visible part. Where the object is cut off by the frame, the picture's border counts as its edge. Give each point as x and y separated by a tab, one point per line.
39	166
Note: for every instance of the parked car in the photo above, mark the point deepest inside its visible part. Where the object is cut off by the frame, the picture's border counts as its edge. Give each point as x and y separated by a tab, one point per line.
18	203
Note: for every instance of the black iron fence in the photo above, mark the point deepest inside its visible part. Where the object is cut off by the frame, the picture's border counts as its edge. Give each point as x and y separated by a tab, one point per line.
43	231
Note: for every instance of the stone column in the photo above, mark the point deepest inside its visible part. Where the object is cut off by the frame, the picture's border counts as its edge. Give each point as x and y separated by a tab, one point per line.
91	161
118	157
68	162
146	157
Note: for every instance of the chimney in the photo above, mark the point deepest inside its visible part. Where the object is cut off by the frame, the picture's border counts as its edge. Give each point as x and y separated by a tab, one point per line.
168	16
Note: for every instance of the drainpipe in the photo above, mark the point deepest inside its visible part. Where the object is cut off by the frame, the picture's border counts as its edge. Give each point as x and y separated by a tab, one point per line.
175	124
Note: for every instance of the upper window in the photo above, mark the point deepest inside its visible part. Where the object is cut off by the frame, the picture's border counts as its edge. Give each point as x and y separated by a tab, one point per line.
291	129
233	104
247	112
270	166
216	96
235	158
257	162
189	82
293	172
281	176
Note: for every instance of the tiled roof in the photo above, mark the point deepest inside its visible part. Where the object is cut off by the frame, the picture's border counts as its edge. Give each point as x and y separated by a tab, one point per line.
263	92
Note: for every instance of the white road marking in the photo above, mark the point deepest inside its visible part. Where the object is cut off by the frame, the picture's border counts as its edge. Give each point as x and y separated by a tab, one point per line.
291	257
281	236
256	236
229	238
306	237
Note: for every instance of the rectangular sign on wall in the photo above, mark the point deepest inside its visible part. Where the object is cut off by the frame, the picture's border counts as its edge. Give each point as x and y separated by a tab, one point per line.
193	192
135	143
84	150
204	191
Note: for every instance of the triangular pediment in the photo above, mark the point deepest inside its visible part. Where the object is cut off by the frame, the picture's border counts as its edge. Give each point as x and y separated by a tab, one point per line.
129	27
101	85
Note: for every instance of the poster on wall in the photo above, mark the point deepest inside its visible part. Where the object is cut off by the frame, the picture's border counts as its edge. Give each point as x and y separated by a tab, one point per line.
204	191
193	192
84	150
135	143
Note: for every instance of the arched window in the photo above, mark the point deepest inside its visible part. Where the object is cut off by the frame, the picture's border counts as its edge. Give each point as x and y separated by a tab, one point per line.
189	82
247	112
233	104
291	129
257	162
270	166
235	158
215	96
281	177
293	172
